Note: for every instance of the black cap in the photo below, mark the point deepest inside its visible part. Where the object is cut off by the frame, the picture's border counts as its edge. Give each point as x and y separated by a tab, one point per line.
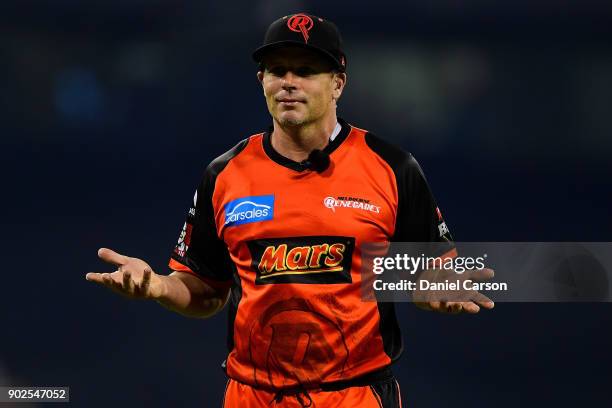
308	31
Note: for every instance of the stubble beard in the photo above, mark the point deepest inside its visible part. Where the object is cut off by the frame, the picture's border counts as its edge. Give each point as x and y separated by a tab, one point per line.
292	120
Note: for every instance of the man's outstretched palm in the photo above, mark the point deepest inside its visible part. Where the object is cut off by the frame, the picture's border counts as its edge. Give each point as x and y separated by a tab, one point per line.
453	301
133	278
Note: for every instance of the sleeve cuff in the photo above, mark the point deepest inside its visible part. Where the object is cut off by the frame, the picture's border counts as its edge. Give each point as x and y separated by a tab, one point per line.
179	267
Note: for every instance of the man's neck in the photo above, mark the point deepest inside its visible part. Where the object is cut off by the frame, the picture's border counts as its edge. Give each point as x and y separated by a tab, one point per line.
296	142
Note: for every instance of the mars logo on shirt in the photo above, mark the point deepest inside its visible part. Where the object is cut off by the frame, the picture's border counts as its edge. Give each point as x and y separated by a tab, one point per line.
311	259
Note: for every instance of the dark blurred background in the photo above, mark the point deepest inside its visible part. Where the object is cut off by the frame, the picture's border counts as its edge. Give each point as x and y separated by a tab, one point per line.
111	109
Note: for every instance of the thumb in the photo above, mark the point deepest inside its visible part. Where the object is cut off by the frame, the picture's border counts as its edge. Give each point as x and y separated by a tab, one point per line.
110	256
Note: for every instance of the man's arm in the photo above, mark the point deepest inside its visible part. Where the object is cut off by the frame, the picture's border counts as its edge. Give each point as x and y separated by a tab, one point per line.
190	296
180	292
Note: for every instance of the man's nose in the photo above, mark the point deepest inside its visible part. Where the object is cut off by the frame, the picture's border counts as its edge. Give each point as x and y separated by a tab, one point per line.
288	80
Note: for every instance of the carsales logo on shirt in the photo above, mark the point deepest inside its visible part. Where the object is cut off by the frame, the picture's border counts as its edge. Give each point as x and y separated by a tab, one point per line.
249	209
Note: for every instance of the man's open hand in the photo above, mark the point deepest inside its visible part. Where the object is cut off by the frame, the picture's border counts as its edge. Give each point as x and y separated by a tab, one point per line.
133	278
456	300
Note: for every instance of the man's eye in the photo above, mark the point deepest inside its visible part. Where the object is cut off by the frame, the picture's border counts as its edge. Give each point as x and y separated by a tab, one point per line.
277	71
304	71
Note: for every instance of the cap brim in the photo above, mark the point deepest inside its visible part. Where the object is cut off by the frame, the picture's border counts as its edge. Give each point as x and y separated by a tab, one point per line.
261	51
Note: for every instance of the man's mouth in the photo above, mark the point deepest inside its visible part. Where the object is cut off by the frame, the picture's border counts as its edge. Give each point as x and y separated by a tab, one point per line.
289	101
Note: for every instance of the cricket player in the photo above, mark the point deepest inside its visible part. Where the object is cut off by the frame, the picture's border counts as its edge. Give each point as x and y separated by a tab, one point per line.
274	232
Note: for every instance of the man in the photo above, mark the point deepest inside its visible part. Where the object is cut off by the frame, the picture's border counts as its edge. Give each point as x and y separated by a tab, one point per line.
276	227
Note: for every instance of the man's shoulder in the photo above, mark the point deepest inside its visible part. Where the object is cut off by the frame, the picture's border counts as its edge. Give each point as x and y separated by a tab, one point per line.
220	162
394	155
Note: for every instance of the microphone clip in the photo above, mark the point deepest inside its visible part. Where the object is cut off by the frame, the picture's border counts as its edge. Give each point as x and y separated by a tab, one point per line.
318	160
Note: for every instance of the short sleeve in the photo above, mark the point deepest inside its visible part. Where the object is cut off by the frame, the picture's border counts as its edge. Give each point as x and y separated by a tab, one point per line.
419	218
199	250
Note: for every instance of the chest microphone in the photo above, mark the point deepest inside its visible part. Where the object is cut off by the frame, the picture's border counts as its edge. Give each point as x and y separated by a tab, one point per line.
318	160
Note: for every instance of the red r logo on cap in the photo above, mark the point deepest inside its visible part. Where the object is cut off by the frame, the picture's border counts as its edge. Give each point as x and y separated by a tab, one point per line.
439	213
300	23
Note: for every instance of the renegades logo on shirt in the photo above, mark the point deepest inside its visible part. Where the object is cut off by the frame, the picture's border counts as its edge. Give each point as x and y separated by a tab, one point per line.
313	259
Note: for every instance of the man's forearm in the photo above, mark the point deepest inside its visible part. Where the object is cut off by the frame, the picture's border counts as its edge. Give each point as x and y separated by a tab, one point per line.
186	294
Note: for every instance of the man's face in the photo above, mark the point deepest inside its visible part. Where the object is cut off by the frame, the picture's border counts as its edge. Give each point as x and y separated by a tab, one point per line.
299	85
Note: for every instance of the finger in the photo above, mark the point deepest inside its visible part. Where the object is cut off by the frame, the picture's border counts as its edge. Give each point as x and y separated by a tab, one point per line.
482	300
128	284
453	307
94	277
470	307
108	281
110	256
481	274
146	280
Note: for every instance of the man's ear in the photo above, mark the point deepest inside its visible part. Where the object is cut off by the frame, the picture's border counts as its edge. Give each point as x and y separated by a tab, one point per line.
339	83
260	76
